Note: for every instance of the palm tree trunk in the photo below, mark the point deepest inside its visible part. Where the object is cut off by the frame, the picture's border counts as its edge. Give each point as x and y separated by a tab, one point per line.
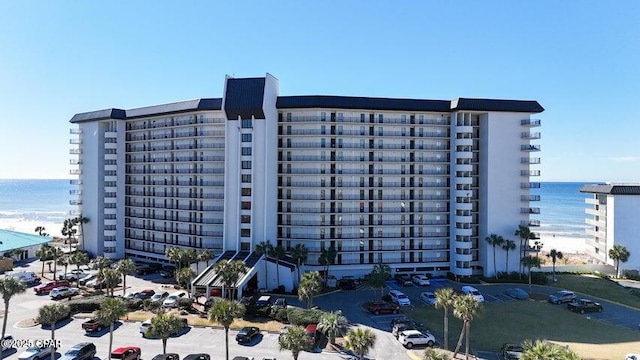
554	270
459	344
466	335
164	346
6	316
110	339
299	264
495	272
53	340
446	329
42	272
278	270
529	281
124	284
507	264
226	340
82	233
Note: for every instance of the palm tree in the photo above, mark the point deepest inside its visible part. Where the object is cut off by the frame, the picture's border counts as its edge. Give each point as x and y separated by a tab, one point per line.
465	308
299	254
508	245
444	299
50	315
360	340
81	220
294	340
530	262
184	276
204	255
544	350
264	248
555	255
110	311
310	285
55	253
68	230
175	254
230	272
327	257
331	325
224	312
432	354
278	252
41	231
79	258
9	286
525	235
163	326
43	253
125	267
64	261
495	240
377	278
109	278
619	253
100	262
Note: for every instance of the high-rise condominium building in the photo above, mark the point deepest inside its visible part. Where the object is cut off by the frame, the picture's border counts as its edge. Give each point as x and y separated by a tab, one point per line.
412	183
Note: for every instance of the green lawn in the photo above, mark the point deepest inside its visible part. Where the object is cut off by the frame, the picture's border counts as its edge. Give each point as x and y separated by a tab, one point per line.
599	287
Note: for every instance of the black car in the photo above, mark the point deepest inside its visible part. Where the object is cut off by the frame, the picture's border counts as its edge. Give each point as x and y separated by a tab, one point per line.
511	351
404	280
584	305
167	356
201	356
247	333
167	271
347	283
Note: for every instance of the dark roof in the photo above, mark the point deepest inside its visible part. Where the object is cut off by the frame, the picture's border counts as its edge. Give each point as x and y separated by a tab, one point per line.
244	98
164	109
527	106
353	102
612	189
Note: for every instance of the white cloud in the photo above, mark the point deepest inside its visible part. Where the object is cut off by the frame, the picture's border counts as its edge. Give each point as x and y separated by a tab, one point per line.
625	159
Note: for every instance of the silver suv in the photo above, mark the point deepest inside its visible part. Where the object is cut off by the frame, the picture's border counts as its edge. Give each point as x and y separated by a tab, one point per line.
562	296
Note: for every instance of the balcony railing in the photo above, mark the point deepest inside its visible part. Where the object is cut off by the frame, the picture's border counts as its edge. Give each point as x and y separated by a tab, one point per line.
530	122
530	160
530	135
530	198
531	210
530	147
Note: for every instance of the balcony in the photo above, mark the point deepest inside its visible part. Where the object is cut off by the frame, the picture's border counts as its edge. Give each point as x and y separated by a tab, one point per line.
530	135
592	201
75	141
75	151
75	202
75	131
531	210
530	185
530	147
530	122
530	223
75	172
530	198
529	160
596	212
529	173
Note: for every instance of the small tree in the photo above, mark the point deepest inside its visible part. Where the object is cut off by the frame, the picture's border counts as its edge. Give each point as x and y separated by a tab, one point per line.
525	234
224	312
9	287
125	267
203	255
264	248
618	254
432	354
509	245
184	276
465	308
111	309
299	254
278	252
360	341
544	350
230	272
327	257
555	255
163	326
55	253
109	278
310	285
377	278
50	315
81	220
445	298
331	325
495	240
100	262
530	262
294	340
44	252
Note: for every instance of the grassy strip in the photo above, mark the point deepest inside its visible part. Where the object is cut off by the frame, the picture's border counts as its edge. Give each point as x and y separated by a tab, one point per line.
599	287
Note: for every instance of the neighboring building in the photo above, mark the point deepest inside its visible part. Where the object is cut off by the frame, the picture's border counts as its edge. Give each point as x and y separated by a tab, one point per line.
612	218
20	246
415	184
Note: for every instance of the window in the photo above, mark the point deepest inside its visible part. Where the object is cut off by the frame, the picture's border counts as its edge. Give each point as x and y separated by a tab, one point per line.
246	205
246	178
323	116
246	164
245	219
246	137
247	123
245	232
246	150
246	191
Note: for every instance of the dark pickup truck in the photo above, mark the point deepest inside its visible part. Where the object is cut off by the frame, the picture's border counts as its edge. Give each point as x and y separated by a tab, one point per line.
92	325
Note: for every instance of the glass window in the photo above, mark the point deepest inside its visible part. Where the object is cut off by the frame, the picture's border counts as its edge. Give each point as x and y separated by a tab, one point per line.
246	178
245	219
246	191
245	232
246	137
247	123
246	164
246	205
246	150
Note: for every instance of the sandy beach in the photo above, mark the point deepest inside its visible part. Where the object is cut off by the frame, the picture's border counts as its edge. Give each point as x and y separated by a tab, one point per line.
27	226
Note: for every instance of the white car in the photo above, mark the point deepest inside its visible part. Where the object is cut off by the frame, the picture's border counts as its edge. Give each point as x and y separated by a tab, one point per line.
421	280
35	353
428	297
470	290
172	299
409	338
63	292
398	297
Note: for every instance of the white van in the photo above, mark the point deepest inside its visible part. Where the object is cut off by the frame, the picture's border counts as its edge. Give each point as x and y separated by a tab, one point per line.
25	277
470	290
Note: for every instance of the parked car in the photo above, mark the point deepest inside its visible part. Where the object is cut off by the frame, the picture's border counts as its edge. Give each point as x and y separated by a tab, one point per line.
409	338
172	300
159	296
200	356
247	333
428	297
404	280
310	333
511	351
584	305
399	298
27	278
81	351
145	294
562	296
516	293
265	300
280	303
36	353
92	325
144	269
167	271
421	280
97	284
144	327
242	358
382	307
167	356
402	326
126	353
63	292
470	290
50	285
347	283
86	278
73	275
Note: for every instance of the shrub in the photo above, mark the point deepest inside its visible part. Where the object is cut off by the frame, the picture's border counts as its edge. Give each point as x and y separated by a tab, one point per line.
304	317
85	305
185	303
280	314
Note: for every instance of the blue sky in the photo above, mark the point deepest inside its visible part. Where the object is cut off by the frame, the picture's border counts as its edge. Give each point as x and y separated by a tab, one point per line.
579	59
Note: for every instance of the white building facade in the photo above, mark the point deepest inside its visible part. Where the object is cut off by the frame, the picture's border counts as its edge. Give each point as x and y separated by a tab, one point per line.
415	184
612	218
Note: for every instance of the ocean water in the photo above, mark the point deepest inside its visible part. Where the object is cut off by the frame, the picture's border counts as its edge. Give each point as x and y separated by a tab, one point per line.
25	204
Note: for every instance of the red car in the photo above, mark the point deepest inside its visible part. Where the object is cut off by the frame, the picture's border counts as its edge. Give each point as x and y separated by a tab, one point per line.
48	286
382	307
126	353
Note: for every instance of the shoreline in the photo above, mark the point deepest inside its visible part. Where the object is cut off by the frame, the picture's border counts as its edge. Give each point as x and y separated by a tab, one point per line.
28	226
